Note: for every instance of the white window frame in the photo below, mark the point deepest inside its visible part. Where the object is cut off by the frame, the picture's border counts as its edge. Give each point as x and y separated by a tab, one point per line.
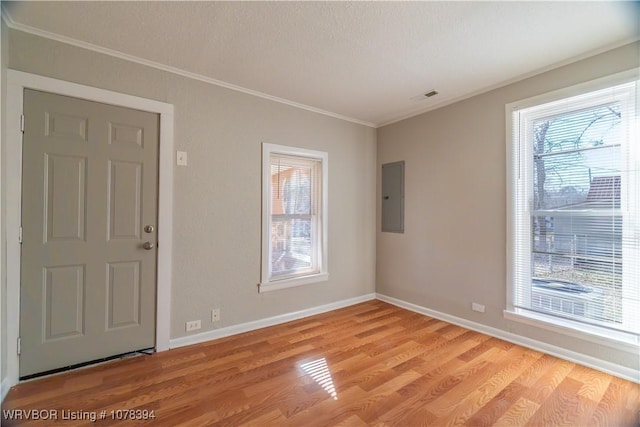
516	214
269	282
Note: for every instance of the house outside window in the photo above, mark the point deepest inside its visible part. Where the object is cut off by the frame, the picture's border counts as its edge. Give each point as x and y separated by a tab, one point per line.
574	210
294	220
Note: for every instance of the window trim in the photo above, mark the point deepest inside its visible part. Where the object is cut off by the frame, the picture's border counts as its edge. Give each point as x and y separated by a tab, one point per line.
626	341
271	283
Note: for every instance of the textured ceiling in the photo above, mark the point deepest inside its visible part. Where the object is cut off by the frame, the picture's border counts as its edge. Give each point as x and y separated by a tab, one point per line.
361	60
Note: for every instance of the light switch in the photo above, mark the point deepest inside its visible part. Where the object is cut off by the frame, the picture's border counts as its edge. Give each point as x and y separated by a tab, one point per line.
181	158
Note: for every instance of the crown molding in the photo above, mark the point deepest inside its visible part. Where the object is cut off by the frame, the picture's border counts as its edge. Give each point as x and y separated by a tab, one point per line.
6	17
195	76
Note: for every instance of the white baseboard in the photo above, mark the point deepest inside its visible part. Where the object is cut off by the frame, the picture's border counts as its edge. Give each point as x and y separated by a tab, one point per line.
572	356
263	323
4	388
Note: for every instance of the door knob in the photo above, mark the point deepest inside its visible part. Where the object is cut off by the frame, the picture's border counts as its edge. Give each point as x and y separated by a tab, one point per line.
148	245
148	228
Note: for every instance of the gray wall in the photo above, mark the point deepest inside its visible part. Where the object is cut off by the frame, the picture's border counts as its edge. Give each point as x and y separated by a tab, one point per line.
4	42
453	251
217	198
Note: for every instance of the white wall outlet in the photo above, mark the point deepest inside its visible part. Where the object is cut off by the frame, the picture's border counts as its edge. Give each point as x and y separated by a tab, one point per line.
215	315
181	158
193	325
477	307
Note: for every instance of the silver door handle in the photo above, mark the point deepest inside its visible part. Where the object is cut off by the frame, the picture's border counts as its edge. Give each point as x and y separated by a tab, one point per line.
148	245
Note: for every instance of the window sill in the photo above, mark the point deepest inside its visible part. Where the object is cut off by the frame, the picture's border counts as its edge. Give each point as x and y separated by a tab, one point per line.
274	285
623	341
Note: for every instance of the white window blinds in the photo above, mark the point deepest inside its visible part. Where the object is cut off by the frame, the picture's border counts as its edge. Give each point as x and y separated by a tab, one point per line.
294	216
575	209
294	211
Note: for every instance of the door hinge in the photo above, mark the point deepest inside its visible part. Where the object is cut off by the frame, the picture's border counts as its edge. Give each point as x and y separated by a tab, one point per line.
22	123
19	343
20	235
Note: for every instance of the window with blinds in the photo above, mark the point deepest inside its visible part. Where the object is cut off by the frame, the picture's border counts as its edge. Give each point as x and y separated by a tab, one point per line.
294	216
574	208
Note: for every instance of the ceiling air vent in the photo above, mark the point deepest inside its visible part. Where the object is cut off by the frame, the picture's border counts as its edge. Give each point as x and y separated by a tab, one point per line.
426	95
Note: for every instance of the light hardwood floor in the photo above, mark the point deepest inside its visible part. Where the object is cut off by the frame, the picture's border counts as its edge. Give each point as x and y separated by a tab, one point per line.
368	364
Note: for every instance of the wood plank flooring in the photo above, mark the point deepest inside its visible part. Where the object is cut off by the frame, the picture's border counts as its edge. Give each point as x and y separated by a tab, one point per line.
370	364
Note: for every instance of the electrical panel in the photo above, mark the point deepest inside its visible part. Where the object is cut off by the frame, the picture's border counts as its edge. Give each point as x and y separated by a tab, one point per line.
393	197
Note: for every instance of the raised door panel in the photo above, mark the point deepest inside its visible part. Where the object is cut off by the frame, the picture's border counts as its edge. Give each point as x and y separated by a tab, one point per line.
126	135
65	197
123	294
64	291
66	127
125	200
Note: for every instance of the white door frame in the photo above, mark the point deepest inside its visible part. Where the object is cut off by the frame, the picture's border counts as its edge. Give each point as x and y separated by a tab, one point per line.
17	81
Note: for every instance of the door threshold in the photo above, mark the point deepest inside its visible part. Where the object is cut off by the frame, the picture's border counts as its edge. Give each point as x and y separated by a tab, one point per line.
145	351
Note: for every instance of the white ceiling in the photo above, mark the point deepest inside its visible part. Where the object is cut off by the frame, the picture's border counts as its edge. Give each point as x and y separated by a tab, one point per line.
359	60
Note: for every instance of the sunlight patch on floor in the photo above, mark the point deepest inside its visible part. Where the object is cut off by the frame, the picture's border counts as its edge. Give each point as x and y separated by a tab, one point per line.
319	371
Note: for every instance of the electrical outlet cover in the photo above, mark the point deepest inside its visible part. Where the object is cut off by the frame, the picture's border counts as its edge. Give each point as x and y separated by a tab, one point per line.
193	325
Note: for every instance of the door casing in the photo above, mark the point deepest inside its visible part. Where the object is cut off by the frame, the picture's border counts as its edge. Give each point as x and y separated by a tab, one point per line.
17	81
